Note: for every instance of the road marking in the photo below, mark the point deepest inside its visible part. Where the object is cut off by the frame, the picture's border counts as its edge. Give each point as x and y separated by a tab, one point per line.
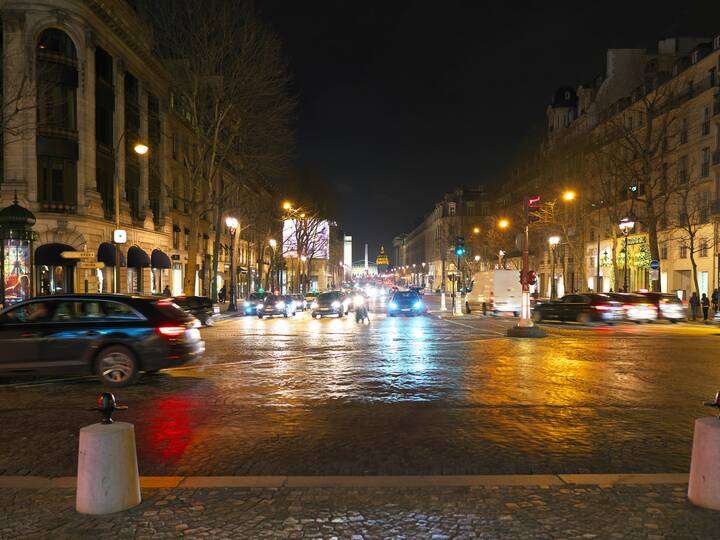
394	481
474	328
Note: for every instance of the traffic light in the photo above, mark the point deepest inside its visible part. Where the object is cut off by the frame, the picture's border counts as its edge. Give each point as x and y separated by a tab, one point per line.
532	204
532	277
460	246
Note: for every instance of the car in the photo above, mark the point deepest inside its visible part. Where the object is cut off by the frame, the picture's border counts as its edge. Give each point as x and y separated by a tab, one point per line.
668	306
275	305
582	308
112	336
300	303
406	303
200	307
251	303
330	303
637	308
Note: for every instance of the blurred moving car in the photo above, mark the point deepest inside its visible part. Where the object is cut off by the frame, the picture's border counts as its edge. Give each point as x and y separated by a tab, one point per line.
276	305
251	303
406	303
300	303
668	306
113	336
200	307
330	303
582	308
637	308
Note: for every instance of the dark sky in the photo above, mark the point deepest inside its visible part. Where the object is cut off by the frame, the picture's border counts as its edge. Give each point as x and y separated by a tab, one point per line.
402	101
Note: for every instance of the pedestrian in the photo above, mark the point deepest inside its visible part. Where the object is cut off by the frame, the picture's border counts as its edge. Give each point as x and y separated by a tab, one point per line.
714	299
221	294
694	303
705	303
166	292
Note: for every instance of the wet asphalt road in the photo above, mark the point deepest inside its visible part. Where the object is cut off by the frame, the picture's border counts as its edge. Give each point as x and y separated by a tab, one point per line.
398	396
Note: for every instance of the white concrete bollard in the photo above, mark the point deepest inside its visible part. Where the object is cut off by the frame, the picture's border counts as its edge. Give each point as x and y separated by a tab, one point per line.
108	479
704	484
443	306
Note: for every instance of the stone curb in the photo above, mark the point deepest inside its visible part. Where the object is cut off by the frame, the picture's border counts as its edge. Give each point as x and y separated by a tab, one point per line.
203	482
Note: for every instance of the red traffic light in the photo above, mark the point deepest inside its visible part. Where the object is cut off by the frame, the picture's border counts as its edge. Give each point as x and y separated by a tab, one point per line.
531	205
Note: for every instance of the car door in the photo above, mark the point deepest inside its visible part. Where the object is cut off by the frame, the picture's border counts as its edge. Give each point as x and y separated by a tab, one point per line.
22	331
73	327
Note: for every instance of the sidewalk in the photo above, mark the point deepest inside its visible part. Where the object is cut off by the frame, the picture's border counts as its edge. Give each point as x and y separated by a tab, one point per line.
548	508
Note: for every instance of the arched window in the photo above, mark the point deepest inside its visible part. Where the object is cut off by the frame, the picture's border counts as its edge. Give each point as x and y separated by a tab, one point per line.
57	144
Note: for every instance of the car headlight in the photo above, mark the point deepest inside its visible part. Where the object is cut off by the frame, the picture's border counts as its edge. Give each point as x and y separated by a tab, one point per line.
336	304
280	305
260	306
358	300
247	304
314	305
392	305
418	305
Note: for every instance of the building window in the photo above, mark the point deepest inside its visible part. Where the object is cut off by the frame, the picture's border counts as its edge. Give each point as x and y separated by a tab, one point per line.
683	251
705	162
451	209
684	131
663	252
703	247
176	237
57	182
705	128
682	169
174	146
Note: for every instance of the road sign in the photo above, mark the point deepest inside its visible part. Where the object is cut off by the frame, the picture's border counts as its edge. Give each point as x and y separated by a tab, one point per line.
82	255
654	275
654	265
90	265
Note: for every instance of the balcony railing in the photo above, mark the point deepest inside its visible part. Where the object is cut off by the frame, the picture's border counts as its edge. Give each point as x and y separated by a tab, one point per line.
58	207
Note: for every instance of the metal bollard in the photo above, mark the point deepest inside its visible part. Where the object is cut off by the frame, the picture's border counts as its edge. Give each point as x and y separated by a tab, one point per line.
108	479
704	483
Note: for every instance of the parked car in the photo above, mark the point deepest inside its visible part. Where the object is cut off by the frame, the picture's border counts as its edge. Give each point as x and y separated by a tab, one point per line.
200	307
330	303
582	308
637	307
275	305
113	336
251	303
668	306
406	303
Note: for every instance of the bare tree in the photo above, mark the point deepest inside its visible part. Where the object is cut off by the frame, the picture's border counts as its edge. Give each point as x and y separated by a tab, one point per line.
230	85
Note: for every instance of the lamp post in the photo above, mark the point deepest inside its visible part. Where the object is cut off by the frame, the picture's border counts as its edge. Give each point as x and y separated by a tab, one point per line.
301	272
120	236
626	225
553	241
232	225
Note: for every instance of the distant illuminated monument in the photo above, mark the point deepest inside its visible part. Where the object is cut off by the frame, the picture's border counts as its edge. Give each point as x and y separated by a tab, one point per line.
382	261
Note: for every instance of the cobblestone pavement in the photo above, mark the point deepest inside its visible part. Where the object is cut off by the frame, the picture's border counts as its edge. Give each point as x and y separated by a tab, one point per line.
652	512
398	396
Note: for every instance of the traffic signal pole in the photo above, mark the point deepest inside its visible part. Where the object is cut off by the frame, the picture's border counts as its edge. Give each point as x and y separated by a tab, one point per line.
525	326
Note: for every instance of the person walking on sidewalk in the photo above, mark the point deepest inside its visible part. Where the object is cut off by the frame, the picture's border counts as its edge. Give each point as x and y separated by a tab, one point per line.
705	303
714	299
694	303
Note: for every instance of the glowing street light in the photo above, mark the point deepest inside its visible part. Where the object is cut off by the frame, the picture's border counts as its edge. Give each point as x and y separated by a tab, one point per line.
287	205
626	225
232	224
273	243
503	223
476	230
569	195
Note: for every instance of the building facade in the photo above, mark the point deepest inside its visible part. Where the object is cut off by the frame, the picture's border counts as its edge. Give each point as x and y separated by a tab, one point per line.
82	88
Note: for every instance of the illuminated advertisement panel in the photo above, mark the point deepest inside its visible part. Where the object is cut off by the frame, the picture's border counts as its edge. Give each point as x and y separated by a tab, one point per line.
317	247
17	270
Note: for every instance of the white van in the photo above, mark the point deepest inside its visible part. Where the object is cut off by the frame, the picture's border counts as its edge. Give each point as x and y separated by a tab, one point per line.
500	290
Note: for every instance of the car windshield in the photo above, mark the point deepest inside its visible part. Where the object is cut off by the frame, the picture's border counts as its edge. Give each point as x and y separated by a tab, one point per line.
405	295
329	296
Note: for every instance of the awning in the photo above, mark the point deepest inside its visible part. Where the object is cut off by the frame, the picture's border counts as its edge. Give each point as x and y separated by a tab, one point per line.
106	254
137	258
159	259
49	255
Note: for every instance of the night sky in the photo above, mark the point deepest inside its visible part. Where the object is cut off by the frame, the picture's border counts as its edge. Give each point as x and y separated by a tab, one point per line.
403	101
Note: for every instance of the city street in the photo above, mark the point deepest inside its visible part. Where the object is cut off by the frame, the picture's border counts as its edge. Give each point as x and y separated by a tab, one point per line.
400	396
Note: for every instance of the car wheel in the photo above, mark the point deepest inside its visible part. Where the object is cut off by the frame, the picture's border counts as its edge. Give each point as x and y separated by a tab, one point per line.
116	366
537	316
208	321
285	314
673	321
583	318
260	317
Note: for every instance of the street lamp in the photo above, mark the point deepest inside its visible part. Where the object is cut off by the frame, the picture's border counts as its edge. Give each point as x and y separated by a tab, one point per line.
626	225
553	241
477	258
232	225
120	236
569	195
476	230
503	223
287	205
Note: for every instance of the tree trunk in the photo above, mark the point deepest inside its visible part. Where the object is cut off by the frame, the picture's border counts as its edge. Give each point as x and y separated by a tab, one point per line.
654	247
693	264
616	269
216	252
192	249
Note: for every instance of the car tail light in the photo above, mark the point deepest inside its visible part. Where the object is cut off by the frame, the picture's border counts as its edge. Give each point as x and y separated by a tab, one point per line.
171	331
627	307
603	307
